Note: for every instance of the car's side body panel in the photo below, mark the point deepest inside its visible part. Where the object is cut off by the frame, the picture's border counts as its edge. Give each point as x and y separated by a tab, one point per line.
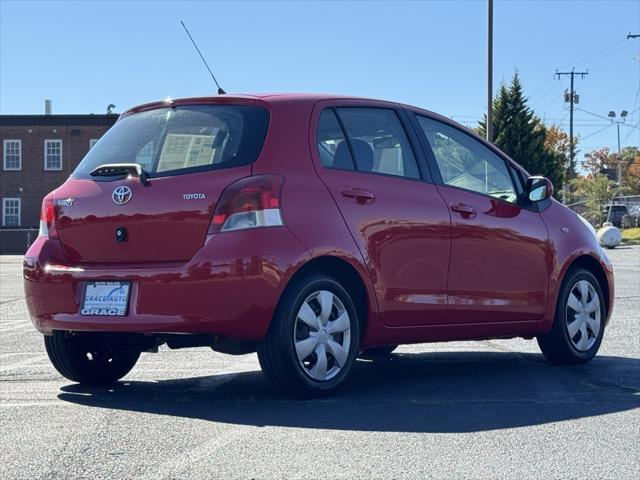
500	261
403	234
307	206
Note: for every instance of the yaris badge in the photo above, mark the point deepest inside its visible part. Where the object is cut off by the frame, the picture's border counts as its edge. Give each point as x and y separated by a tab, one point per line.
121	195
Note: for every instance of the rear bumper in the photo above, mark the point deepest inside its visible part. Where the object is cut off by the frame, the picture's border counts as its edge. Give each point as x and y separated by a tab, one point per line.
230	287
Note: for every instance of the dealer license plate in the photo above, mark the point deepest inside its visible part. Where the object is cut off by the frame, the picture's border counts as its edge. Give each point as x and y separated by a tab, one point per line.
106	299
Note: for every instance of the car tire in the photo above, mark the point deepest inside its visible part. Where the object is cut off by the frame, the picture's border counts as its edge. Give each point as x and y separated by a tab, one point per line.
578	327
88	359
378	353
313	339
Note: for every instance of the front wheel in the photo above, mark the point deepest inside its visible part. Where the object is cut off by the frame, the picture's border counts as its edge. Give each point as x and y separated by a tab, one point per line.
578	326
89	358
313	339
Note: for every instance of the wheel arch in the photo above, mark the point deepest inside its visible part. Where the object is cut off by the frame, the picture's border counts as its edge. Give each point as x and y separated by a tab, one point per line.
593	266
349	276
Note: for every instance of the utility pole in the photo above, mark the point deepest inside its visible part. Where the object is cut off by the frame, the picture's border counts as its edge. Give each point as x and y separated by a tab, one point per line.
490	72
573	98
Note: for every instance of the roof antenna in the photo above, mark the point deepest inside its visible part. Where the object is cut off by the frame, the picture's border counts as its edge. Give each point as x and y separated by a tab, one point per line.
220	90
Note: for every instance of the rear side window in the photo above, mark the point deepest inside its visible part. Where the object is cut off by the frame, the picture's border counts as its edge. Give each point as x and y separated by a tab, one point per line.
170	141
375	141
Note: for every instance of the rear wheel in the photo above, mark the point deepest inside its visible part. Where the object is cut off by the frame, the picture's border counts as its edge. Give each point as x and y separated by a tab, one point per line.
89	358
578	327
313	339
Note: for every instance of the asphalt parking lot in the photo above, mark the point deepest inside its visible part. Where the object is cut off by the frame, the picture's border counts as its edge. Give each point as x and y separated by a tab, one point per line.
491	409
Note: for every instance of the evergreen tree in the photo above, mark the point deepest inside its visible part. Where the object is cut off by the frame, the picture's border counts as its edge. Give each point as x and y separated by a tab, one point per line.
521	135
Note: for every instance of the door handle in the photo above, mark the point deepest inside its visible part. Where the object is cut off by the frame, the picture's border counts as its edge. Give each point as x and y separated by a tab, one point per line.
360	195
466	211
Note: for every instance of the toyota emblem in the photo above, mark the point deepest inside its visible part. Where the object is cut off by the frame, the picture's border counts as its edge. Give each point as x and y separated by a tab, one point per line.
121	195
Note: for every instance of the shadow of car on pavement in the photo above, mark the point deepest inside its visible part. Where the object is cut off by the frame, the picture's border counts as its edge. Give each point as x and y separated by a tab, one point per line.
428	392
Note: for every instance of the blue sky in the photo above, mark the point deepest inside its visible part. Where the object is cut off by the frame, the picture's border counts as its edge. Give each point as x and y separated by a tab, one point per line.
85	55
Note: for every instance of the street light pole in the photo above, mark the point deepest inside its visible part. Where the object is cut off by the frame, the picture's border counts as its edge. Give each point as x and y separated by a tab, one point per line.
490	72
619	161
623	116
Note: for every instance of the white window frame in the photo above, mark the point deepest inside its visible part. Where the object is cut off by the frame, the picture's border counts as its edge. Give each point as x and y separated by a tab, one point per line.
92	142
4	154
46	143
5	201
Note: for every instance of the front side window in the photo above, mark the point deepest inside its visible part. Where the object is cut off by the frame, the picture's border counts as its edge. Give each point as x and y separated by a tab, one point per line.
182	139
12	154
375	142
53	154
466	163
10	212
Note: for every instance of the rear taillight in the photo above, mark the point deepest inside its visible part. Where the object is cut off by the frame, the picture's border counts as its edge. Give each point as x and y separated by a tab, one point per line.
48	218
252	202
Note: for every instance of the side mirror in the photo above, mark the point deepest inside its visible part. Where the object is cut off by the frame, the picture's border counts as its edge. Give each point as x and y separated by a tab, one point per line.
539	188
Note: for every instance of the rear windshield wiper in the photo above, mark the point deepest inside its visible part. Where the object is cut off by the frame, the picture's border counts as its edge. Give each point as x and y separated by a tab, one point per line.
117	169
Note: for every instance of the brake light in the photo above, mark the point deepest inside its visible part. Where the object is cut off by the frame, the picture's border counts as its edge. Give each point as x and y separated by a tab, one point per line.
251	202
48	218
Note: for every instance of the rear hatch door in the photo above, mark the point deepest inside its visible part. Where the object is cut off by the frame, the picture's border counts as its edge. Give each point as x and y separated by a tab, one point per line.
190	153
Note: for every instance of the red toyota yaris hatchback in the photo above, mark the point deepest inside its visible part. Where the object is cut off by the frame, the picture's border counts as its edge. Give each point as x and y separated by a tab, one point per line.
312	229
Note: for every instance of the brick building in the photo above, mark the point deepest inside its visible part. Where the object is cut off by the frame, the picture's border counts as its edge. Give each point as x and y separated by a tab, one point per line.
38	153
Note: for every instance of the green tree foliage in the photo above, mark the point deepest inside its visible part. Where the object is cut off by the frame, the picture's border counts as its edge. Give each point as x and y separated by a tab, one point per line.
598	191
629	157
521	135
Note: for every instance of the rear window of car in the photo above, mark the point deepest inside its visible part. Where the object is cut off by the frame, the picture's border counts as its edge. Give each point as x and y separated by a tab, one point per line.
184	139
373	140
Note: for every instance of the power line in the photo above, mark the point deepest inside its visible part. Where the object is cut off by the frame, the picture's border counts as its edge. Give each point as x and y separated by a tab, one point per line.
539	89
563	124
626	56
634	127
596	54
591	113
611	93
597	132
556	98
562	118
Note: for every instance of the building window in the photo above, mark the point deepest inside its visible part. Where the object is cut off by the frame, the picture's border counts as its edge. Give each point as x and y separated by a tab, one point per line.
12	154
53	154
10	212
92	142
